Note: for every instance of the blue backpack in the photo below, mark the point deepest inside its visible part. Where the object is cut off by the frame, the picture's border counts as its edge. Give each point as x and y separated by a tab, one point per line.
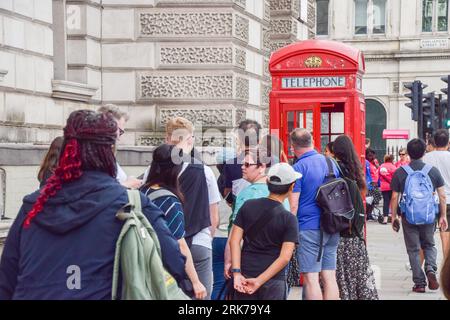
418	201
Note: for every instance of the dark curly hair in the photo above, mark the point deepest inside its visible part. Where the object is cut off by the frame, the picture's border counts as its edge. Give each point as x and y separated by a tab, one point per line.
88	140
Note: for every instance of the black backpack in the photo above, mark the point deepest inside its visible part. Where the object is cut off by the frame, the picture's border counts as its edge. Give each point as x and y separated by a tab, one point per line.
335	200
356	228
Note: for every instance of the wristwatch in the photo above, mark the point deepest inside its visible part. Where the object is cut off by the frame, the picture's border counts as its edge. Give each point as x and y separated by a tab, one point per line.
235	270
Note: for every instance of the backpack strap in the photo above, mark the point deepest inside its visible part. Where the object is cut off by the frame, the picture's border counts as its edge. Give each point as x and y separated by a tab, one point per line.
408	169
159	193
330	174
123	215
426	169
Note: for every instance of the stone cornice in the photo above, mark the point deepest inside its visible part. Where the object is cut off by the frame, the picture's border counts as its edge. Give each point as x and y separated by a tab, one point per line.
73	90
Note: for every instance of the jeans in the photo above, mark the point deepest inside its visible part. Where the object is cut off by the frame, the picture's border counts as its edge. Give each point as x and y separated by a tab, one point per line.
387	195
218	264
416	237
202	257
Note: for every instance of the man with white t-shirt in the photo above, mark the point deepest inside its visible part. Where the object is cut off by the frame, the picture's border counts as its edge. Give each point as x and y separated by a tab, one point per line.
440	158
201	200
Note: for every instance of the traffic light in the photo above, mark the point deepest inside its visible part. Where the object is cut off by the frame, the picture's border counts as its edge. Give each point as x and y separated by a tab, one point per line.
429	115
414	87
444	115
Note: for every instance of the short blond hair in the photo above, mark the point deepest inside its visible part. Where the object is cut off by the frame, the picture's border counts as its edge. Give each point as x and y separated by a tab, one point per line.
178	124
114	111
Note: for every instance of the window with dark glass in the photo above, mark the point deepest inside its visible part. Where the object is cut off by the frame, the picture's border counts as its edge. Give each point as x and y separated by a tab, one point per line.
322	17
370	17
434	15
379	16
442	15
361	17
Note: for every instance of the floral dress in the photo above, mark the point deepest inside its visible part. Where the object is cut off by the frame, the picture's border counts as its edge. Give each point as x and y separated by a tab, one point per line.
354	275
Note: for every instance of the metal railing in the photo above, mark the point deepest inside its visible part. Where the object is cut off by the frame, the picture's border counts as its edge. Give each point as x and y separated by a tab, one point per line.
394	151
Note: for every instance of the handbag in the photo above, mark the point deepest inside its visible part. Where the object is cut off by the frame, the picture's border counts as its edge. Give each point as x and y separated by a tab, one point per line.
376	194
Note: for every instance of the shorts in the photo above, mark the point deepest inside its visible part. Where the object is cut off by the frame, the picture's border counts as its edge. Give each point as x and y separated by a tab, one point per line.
308	251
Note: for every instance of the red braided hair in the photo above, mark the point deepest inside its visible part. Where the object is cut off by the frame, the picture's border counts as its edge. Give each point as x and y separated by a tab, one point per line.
88	141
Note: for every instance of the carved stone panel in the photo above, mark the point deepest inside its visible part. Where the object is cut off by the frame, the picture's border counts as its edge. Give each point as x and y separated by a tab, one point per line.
150	141
266	39
266	68
265	117
220	116
265	91
277	45
282	26
241	115
187	86
241	28
167	24
267	10
281	4
240	58
196	55
242	89
215	141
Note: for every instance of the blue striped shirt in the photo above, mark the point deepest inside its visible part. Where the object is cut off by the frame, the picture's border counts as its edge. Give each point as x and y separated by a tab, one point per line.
173	214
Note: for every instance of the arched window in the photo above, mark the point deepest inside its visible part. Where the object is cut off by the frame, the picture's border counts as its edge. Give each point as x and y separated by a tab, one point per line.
376	122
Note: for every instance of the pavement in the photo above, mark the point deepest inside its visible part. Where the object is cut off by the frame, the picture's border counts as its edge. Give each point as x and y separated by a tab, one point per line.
388	257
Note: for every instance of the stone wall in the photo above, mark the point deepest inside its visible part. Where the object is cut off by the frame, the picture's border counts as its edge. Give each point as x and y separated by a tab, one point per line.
206	60
28	110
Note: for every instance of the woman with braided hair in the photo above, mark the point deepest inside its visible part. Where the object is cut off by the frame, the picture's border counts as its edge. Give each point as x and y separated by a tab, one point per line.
62	243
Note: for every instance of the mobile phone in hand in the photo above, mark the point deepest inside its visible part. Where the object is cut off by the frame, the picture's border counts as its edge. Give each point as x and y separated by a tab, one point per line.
396	225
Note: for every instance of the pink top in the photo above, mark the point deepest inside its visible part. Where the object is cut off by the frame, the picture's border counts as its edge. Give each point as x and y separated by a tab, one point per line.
373	172
386	172
402	163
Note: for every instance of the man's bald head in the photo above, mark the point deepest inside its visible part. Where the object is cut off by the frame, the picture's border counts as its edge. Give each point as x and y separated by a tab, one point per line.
301	139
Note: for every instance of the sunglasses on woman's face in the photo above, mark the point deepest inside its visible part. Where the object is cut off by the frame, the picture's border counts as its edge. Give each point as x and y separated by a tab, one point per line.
403	154
246	164
121	132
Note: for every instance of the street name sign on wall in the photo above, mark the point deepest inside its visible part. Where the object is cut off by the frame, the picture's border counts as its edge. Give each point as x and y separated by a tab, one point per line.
434	43
312	82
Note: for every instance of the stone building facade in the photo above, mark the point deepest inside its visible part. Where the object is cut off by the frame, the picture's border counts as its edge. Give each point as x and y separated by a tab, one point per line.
206	60
403	41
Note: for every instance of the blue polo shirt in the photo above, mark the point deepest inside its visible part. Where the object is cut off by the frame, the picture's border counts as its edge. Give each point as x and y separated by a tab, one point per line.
313	167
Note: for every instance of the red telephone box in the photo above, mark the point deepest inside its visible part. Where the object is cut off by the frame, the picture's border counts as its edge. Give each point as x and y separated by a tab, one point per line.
317	85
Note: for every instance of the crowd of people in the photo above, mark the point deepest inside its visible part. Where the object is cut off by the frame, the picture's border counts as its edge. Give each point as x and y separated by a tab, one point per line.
276	228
